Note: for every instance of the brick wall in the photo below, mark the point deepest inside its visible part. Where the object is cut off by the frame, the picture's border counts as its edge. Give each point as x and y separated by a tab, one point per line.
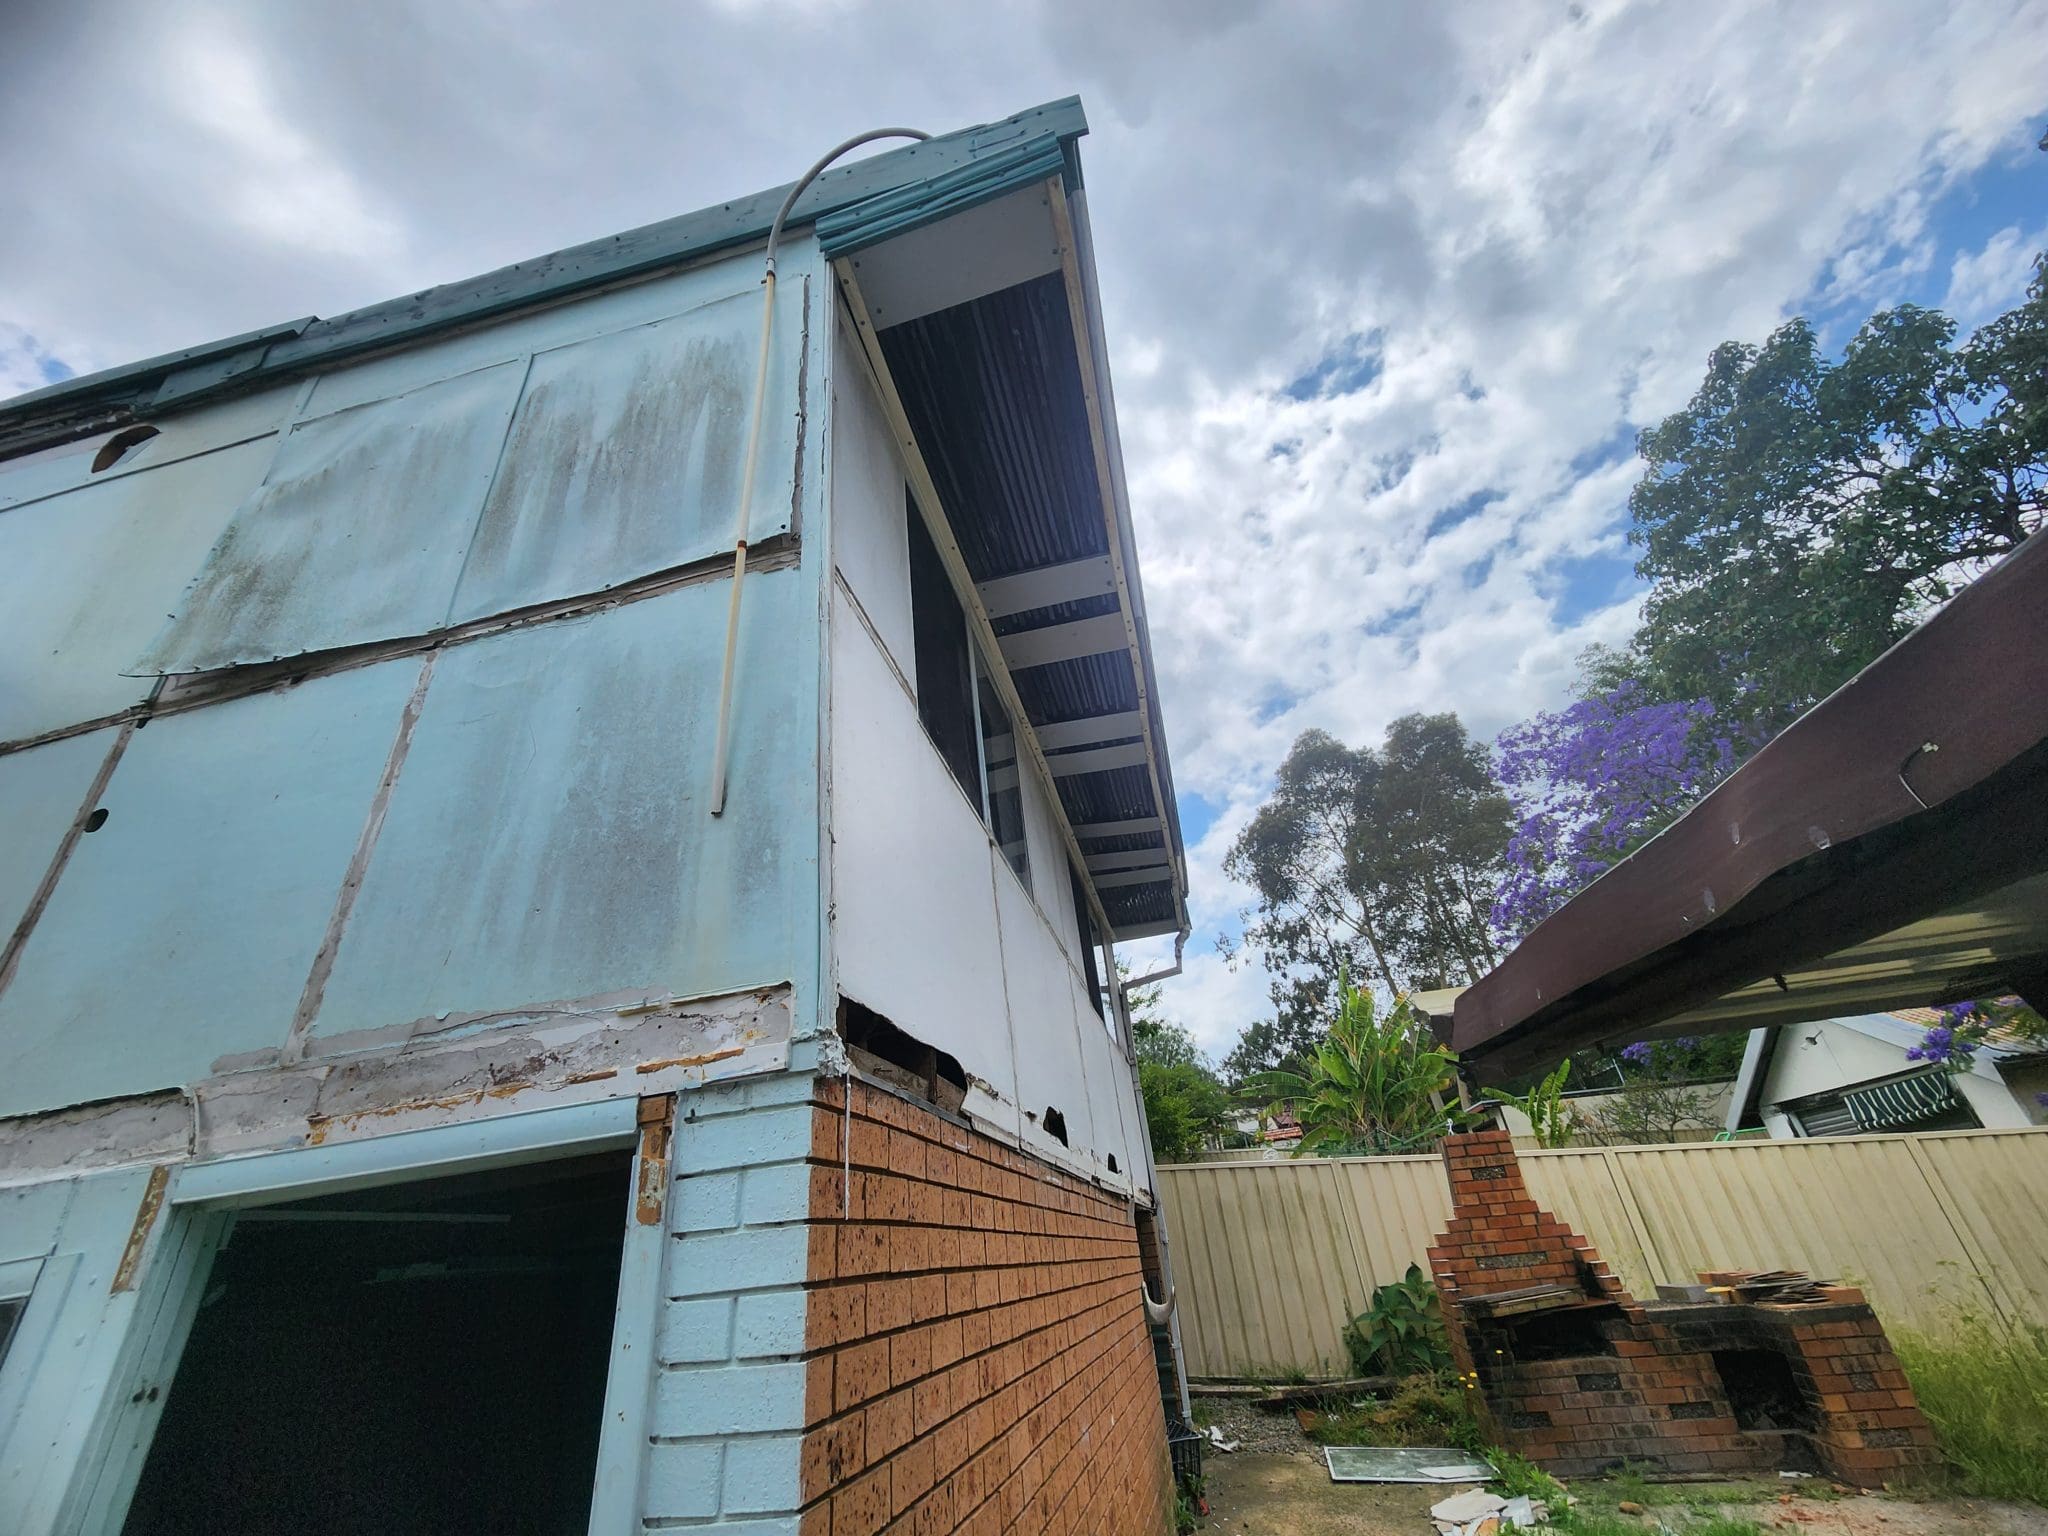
727	1411
1609	1379
978	1358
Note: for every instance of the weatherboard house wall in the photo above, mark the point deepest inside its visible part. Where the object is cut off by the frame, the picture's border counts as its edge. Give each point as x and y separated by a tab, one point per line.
357	711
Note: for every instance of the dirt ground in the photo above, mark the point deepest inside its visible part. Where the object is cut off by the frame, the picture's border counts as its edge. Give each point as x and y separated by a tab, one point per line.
1278	1485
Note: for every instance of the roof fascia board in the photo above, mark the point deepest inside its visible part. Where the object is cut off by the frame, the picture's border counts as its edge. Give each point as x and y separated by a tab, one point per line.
310	343
1077	266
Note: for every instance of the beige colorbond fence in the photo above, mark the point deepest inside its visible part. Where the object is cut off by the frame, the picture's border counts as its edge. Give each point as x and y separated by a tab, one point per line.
1272	1259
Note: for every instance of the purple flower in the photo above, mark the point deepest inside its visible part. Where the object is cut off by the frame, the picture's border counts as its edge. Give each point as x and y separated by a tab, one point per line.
1637	1054
1589	784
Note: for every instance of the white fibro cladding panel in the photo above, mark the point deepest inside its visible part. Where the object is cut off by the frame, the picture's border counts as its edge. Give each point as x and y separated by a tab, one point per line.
182	930
914	917
548	838
870	503
1041	1001
87	576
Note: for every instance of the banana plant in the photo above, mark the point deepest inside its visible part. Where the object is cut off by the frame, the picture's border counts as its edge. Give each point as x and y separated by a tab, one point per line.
1544	1105
1375	1084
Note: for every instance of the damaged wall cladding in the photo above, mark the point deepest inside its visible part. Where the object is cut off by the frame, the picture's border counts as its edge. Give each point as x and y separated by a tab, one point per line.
509	826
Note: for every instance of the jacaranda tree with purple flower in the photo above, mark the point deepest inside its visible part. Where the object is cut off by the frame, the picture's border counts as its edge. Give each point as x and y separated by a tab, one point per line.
1592	782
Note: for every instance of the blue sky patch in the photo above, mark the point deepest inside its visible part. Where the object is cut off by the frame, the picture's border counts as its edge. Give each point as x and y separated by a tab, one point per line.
1345	369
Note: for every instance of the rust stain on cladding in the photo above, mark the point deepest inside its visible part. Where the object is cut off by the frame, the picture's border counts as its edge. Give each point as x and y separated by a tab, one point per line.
138	1235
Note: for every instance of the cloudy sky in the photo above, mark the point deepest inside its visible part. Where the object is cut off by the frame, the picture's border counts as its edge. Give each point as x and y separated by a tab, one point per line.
1389	287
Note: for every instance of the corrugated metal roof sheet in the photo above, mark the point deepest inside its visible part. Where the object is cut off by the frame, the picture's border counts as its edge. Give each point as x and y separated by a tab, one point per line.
993	391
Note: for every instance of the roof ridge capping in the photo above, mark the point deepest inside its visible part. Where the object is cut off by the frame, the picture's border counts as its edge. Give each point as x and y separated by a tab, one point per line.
176	380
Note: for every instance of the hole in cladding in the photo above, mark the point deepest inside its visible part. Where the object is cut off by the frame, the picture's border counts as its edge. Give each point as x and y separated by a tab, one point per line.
97	819
120	446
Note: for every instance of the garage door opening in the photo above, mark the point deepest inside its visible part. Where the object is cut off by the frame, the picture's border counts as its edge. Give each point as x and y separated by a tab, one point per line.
416	1358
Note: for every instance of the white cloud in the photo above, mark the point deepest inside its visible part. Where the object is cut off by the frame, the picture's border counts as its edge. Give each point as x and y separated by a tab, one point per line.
1544	216
1984	283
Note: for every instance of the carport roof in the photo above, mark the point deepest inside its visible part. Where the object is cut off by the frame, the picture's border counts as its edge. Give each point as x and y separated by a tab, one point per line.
1888	849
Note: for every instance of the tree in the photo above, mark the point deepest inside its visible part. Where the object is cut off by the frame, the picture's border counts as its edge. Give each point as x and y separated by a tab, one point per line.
1799	514
1185	1104
1661	1092
1372	863
1591	783
1377	1084
1282	1044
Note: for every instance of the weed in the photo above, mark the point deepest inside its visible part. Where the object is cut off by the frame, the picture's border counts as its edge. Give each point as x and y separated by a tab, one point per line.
1202	1411
1426	1410
1183	1513
1402	1332
1519	1477
1983	1384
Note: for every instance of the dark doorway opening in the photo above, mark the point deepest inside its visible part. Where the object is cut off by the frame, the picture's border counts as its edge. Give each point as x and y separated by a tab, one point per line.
413	1359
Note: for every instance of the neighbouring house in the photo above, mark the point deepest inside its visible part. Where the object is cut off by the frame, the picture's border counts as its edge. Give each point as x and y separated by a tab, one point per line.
1842	1077
559	962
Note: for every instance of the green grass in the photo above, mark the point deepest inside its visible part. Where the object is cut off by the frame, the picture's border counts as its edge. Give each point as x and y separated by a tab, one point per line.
1983	1384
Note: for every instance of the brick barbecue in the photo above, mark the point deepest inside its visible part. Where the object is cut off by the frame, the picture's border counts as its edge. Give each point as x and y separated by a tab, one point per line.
1579	1376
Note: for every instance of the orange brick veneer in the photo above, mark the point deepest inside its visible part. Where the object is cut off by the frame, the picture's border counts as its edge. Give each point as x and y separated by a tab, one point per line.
1652	1394
978	1359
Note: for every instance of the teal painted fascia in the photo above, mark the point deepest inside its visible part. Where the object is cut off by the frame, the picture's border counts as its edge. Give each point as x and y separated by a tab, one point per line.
180	379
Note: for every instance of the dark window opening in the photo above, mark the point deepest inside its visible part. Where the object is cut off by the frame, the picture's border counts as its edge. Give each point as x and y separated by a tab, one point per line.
1762	1391
1571	1333
945	697
420	1360
1084	925
10	1319
1005	810
891	1055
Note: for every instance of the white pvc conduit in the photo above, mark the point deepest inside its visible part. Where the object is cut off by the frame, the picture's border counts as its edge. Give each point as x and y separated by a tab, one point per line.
739	550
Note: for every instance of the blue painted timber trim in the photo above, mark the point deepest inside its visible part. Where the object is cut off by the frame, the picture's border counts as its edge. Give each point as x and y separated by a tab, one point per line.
431	1152
935	197
180	379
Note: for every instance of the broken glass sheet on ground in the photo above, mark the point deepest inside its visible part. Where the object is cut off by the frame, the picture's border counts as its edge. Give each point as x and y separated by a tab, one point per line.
1403	1464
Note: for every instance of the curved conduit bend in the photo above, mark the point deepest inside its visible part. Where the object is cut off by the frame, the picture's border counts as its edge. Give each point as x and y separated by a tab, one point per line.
739	550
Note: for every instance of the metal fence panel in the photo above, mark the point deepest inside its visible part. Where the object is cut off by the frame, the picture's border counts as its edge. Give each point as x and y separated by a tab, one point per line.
1273	1258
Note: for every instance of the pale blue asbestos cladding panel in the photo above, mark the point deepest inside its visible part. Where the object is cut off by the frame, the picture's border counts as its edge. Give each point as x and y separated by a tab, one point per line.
88	576
358	533
625	456
183	929
548	839
41	793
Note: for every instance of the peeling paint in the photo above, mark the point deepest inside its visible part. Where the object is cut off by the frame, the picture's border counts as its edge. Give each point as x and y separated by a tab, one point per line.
650	1177
138	1235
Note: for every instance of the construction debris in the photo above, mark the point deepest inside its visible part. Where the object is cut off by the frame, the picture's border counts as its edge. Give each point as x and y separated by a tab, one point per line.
1479	1513
1779	1287
1403	1464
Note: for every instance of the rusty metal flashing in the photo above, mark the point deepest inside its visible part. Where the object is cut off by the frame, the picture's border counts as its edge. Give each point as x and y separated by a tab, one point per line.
138	1235
179	694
